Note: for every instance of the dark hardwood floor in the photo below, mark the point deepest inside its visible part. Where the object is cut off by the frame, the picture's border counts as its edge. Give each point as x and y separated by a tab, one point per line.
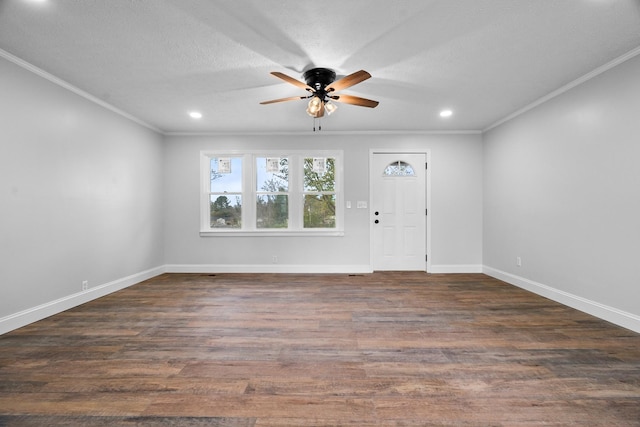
385	349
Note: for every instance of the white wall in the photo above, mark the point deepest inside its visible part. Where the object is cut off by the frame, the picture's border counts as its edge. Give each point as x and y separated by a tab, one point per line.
80	194
562	191
456	211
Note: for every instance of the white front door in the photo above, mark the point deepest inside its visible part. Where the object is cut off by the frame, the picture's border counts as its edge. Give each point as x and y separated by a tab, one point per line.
398	212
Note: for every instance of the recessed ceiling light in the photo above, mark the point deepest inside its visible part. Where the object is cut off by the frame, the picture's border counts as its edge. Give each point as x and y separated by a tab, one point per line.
195	115
446	113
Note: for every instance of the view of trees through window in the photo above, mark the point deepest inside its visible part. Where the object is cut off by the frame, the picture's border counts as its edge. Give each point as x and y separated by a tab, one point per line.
224	213
314	199
272	207
319	193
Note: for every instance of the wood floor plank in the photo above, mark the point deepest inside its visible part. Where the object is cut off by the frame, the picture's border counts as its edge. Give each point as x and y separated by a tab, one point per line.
382	349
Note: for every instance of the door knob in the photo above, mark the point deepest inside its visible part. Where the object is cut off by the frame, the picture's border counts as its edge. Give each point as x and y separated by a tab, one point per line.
375	213
376	221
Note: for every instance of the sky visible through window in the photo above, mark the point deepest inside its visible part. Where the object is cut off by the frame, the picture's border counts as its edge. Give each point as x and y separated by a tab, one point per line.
232	182
226	182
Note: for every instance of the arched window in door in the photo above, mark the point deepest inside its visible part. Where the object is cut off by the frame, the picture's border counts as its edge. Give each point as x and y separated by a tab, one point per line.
399	168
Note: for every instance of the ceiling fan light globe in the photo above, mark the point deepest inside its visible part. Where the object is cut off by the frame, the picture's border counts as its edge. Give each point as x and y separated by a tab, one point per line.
315	102
314	106
330	107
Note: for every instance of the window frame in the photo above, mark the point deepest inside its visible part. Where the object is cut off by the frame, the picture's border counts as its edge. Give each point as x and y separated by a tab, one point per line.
225	193
250	192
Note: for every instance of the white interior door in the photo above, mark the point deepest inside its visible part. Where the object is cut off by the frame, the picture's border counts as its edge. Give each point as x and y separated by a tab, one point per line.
398	212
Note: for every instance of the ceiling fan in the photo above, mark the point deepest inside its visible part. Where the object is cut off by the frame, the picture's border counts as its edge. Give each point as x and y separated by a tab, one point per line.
321	84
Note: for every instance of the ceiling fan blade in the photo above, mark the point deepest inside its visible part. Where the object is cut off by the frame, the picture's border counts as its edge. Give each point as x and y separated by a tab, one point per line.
355	100
292	81
348	81
291	98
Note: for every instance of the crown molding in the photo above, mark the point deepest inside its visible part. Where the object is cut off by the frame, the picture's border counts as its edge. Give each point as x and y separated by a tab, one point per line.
328	132
580	80
53	79
57	81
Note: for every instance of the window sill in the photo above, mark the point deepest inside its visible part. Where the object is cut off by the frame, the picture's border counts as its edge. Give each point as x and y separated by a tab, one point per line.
271	233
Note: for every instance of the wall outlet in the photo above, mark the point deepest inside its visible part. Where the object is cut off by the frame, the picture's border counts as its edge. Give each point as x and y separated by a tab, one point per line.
518	261
274	259
85	285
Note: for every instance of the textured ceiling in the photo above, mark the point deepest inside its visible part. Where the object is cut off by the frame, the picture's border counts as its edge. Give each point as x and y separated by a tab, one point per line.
159	59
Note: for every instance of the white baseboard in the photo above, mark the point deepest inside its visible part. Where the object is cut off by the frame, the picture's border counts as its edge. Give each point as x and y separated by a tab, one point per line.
610	314
456	268
302	269
25	317
267	268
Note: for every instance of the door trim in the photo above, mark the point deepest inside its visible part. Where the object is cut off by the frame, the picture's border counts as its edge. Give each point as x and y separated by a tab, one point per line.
427	156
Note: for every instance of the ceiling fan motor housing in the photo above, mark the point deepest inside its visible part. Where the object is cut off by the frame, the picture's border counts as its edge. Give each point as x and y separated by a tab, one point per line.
319	78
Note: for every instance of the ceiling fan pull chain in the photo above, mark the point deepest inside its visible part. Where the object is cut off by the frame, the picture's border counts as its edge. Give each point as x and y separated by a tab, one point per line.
319	124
